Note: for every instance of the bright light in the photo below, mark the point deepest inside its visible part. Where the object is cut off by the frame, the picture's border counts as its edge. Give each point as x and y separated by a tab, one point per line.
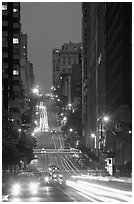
92	135
19	130
34	188
36	91
71	130
58	99
47	179
106	118
65	118
33	134
36	130
16	189
35	122
69	104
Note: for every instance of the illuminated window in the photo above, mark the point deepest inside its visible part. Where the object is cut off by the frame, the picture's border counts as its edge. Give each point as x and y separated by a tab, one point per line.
100	59
15	72
15	40
15	10
4	7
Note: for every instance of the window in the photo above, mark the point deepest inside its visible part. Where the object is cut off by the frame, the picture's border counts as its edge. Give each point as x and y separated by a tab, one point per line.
15	10
15	72
4	7
100	59
15	40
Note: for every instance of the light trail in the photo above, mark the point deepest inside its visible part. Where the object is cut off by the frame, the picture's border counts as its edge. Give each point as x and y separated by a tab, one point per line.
72	164
43	117
100	192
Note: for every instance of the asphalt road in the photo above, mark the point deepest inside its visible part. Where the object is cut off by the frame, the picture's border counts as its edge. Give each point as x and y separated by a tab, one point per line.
74	187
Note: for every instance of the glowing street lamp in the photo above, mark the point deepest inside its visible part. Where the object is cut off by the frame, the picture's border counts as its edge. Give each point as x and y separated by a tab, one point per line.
71	130
95	139
93	135
105	118
35	90
19	130
33	134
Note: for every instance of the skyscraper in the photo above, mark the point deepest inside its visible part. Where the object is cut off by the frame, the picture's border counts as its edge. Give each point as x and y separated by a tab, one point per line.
63	60
106	77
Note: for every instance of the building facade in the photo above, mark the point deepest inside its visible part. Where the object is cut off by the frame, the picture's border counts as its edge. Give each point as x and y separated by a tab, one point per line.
12	89
119	77
106	78
17	71
63	59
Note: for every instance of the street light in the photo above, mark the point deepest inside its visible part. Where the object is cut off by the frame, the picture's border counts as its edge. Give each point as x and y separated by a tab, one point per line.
35	90
106	119
95	141
33	134
71	130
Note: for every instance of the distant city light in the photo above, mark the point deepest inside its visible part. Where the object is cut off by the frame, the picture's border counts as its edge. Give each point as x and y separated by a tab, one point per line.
65	118
106	118
33	134
71	130
93	135
35	122
36	91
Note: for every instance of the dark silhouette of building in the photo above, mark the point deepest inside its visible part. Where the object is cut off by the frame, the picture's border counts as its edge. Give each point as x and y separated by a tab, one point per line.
119	73
106	78
10	50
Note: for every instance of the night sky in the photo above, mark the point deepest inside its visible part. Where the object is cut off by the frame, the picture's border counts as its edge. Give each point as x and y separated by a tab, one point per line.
48	25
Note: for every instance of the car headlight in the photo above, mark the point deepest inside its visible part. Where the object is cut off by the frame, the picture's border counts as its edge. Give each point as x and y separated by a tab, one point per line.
33	188
16	189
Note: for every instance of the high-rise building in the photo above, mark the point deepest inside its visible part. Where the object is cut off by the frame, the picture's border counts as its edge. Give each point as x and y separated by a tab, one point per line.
106	78
12	89
89	71
119	76
17	71
63	59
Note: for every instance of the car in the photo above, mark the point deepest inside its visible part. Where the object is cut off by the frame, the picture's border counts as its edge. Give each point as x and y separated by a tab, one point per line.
53	167
24	184
57	176
53	131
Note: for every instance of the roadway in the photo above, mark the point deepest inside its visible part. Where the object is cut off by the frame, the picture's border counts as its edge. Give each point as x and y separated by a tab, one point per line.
75	187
